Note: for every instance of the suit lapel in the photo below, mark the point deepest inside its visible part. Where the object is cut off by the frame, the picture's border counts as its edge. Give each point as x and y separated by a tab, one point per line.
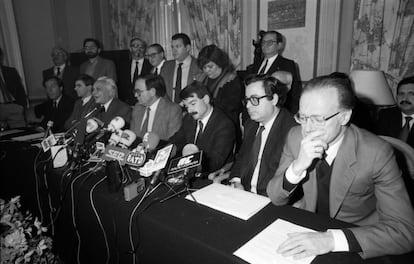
275	65
160	115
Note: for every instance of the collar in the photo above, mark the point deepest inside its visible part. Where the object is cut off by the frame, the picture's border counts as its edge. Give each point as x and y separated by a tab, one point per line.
270	60
61	67
106	105
268	125
333	150
206	118
405	115
185	62
154	105
159	66
58	100
86	99
139	60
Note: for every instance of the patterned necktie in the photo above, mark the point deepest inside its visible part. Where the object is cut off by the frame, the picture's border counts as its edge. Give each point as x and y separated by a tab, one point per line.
200	131
144	128
178	84
135	77
262	71
405	130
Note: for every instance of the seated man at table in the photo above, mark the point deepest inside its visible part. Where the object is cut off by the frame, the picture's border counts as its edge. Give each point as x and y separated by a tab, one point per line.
205	126
264	134
346	173
154	112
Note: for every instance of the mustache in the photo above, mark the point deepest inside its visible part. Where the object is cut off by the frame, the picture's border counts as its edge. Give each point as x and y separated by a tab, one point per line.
405	102
193	113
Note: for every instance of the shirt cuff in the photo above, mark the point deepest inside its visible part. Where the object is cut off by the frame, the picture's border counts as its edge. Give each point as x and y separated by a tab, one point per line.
292	177
235	180
340	241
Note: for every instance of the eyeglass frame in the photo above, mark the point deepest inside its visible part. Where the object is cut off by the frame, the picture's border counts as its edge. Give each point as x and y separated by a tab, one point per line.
313	118
268	42
249	99
152	55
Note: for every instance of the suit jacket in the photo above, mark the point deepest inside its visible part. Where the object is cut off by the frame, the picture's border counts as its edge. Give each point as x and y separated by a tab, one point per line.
14	85
126	87
271	152
216	141
58	116
167	119
104	67
69	75
167	72
390	124
79	111
283	64
116	108
366	189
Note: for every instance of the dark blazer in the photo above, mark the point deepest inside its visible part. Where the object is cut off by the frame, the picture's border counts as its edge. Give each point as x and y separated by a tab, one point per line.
167	73
125	86
104	67
79	111
271	151
283	64
216	141
58	116
14	85
167	119
390	124
366	189
116	108
69	75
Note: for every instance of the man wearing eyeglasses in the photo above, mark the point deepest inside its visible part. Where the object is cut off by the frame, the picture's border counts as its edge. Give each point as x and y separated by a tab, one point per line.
156	57
346	173
130	70
272	45
264	136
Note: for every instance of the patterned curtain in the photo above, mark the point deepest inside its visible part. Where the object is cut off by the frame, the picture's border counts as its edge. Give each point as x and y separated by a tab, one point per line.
214	22
131	18
383	38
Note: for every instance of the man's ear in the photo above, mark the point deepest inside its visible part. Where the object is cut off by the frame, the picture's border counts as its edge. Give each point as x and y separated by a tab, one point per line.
206	99
346	117
275	99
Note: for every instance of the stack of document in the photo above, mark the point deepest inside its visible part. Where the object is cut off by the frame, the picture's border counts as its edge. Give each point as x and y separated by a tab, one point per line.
229	200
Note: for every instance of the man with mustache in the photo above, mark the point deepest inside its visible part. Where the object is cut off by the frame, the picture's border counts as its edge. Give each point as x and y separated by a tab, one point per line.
96	66
398	121
205	126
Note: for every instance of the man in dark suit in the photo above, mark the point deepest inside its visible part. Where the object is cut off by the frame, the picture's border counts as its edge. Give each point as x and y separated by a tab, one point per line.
153	112
264	134
206	127
184	66
156	57
272	45
96	66
13	99
105	94
63	70
130	70
57	107
346	173
398	121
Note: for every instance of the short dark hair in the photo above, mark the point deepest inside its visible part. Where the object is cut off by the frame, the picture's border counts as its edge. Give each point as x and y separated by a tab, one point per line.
216	55
346	95
279	37
136	38
97	42
86	79
404	81
184	37
157	46
52	77
196	88
271	86
156	82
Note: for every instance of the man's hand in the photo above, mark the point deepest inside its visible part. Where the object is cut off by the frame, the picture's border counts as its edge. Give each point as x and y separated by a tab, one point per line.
311	147
306	244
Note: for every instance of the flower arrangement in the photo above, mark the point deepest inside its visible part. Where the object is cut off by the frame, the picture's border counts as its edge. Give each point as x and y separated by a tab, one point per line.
22	238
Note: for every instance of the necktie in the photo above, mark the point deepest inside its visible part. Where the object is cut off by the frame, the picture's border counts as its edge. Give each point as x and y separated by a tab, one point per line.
5	95
262	71
178	84
55	104
405	130
58	71
255	153
135	77
323	178
200	131
156	71
144	128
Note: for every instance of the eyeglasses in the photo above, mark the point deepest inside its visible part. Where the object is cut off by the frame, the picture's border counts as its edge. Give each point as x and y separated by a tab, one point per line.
268	42
152	55
254	100
316	120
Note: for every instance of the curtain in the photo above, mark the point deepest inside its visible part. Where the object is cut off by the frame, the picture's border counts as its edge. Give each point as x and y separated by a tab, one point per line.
214	22
383	38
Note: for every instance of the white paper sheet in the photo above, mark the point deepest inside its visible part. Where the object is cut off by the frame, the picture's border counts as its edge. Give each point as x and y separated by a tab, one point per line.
229	200
261	249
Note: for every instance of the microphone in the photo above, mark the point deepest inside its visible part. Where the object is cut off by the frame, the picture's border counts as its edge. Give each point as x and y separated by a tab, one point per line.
115	138
127	138
189	149
49	126
93	111
93	125
116	124
150	141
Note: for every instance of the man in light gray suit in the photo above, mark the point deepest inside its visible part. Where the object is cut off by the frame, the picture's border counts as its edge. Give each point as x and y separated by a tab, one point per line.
154	112
181	71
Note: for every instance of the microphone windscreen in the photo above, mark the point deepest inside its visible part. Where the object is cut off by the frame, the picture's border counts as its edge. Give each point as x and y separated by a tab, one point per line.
115	137
116	124
150	140
189	149
91	126
127	138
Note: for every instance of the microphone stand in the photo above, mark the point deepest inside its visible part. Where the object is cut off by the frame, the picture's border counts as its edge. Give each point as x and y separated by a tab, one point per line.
187	188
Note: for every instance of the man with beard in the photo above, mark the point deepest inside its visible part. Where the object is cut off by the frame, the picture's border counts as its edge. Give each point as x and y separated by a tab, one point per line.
205	126
398	121
96	66
130	70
